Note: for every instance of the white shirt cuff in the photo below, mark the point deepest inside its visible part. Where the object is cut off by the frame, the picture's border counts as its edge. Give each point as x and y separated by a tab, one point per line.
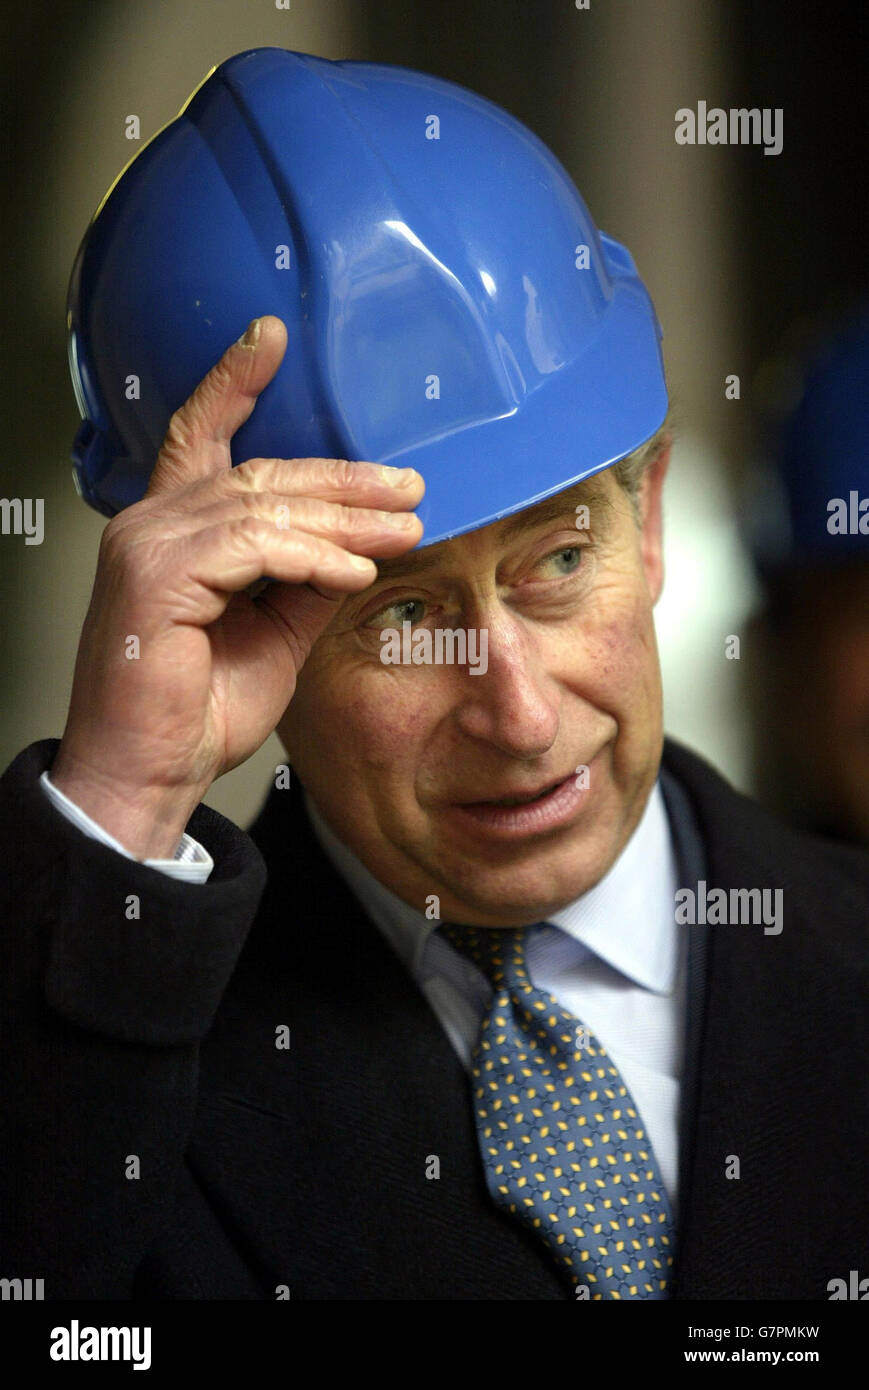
191	862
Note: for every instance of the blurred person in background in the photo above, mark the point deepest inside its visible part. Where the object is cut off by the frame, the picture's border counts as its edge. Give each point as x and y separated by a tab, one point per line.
808	529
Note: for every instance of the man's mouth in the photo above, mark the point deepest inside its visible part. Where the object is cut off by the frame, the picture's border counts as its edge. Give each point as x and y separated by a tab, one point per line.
517	798
522	814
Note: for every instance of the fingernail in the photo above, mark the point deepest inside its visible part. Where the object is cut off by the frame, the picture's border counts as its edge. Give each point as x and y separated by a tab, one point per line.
396	477
250	336
402	521
359	562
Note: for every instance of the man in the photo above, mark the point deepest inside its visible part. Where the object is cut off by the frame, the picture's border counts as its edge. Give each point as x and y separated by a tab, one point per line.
456	1020
809	532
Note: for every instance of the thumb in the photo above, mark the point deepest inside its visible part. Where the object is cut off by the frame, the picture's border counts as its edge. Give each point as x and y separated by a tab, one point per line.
197	440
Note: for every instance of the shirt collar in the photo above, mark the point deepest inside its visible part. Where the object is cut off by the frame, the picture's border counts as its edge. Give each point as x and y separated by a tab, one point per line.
627	919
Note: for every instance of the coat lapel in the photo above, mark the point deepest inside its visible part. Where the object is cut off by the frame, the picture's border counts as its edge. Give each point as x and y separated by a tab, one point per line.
772	1064
322	1157
318	1159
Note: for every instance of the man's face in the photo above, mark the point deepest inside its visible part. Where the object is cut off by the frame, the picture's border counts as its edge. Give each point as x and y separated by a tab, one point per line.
403	761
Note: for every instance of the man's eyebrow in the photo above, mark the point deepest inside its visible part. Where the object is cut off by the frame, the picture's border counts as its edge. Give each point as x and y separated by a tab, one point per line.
561	504
551	508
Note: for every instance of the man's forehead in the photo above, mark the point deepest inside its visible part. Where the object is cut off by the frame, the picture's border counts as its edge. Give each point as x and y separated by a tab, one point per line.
593	493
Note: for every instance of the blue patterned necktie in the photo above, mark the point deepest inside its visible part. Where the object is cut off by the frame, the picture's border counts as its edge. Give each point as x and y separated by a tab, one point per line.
560	1137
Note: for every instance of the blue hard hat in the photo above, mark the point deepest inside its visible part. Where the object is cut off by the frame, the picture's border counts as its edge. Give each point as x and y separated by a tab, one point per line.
805	497
449	303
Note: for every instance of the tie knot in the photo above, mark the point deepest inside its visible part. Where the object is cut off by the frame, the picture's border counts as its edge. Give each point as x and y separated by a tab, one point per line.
498	951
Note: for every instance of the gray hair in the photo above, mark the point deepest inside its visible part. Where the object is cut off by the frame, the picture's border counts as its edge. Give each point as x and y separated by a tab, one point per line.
630	471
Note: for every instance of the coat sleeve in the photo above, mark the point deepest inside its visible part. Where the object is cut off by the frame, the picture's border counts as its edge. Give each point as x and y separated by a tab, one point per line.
111	974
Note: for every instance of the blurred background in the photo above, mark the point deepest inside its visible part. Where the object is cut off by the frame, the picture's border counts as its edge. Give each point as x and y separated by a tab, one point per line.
744	254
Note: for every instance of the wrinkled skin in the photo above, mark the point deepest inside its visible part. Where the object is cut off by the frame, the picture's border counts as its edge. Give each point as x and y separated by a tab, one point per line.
573	678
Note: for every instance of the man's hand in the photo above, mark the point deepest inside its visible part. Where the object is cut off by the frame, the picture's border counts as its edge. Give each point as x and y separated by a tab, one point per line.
181	674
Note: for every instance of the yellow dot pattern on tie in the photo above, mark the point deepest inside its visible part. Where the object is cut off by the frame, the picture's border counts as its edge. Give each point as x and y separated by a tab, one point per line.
562	1143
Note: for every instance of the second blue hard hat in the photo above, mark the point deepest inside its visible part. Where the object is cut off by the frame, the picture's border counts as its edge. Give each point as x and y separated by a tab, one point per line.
806	504
449	303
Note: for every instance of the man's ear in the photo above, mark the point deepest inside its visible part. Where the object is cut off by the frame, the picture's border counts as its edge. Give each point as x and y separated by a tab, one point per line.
651	491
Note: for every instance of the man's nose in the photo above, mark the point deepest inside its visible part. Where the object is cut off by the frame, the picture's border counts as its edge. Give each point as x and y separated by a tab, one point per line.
515	704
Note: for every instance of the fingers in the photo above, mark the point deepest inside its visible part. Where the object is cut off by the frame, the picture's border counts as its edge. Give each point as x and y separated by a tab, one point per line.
363	530
227	558
286	489
197	440
351	482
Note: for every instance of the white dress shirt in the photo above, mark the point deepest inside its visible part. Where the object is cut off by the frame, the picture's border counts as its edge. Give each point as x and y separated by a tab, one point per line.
617	963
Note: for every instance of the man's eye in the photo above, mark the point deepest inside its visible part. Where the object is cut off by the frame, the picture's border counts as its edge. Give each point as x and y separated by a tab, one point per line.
405	610
567	560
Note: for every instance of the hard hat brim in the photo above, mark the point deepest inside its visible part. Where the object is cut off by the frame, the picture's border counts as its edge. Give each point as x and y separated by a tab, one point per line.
587	416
